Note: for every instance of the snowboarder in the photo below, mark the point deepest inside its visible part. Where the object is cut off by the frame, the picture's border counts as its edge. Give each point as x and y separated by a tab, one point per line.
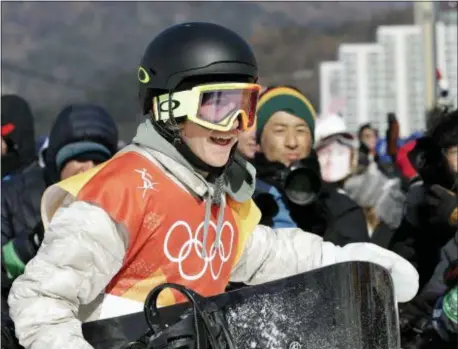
174	206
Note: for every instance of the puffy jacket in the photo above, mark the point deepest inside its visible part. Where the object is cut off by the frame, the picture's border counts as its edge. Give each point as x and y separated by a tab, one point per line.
84	249
21	195
20	215
21	202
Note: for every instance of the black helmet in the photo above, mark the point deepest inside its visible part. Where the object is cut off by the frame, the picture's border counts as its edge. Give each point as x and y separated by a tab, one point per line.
204	52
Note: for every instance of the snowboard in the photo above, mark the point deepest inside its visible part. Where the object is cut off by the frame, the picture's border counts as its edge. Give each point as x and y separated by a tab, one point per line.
343	306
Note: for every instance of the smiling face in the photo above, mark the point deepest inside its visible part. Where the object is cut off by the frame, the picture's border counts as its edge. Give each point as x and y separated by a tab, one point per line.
212	147
286	138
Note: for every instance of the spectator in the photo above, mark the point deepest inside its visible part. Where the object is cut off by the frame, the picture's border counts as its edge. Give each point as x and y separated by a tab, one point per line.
431	205
247	145
335	148
285	132
18	136
81	137
430	319
368	137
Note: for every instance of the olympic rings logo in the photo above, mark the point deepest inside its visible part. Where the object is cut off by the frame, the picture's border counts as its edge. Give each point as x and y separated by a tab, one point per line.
194	243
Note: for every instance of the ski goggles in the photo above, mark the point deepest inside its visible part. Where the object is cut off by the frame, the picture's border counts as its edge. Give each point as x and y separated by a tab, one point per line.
213	106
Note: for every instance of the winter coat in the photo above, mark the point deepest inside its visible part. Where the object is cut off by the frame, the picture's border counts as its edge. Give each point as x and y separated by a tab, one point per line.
436	286
21	196
85	249
418	313
418	240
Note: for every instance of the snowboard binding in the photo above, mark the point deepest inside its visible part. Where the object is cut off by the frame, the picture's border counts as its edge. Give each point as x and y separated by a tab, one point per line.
200	327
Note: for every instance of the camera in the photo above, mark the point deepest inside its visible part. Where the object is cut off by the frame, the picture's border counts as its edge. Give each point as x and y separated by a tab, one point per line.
301	181
302	184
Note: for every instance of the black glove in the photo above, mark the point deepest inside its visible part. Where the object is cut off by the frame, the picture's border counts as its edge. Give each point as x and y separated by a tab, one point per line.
442	204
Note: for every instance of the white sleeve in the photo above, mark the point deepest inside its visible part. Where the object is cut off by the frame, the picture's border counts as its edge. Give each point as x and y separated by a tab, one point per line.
81	252
272	254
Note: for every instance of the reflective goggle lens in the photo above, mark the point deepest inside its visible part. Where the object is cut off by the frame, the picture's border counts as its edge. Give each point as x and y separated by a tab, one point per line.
219	106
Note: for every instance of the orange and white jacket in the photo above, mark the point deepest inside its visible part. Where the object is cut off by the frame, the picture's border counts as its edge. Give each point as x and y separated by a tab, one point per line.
146	217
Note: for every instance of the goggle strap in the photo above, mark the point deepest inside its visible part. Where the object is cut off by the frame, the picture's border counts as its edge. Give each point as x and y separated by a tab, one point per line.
177	101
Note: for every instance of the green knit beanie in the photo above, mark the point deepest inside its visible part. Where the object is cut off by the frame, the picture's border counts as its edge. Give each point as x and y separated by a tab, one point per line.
286	99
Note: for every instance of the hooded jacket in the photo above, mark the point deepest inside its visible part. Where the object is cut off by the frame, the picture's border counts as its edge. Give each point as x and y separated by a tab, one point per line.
85	248
21	196
17	121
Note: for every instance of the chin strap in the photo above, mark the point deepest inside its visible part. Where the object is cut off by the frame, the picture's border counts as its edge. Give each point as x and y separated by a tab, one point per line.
200	327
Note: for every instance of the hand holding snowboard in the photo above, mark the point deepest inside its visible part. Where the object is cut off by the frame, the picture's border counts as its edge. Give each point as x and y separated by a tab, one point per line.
405	276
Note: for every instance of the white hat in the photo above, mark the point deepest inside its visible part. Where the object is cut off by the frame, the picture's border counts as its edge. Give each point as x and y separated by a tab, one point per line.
330	127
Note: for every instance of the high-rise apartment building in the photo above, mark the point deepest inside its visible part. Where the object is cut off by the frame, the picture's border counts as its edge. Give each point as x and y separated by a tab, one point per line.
361	86
403	75
331	99
447	56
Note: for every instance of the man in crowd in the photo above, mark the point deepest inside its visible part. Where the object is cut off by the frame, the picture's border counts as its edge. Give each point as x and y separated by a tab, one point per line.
18	136
431	211
285	132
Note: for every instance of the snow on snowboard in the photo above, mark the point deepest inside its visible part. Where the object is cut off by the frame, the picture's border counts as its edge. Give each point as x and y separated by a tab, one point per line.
343	306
